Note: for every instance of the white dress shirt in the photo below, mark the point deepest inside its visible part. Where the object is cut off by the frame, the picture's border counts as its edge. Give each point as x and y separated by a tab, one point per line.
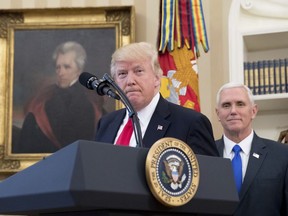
144	117
245	146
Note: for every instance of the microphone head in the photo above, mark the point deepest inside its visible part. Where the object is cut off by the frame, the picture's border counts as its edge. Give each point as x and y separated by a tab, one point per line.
86	79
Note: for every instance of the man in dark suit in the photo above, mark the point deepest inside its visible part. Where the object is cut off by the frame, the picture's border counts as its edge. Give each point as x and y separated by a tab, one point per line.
135	68
264	189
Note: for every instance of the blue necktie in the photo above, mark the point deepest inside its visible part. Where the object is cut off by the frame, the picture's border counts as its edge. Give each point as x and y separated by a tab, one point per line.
237	166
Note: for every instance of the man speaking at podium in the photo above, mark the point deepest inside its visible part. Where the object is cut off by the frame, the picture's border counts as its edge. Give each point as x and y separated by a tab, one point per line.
136	70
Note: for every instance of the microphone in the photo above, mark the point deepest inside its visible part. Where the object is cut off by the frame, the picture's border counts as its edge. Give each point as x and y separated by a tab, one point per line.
90	81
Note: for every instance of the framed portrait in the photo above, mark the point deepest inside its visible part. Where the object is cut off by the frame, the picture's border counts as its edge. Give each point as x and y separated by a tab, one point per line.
37	107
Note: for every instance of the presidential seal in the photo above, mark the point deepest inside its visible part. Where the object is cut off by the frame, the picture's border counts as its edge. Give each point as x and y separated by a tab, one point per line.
172	172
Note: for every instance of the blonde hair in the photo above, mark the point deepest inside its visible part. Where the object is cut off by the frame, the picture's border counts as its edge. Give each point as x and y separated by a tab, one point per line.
136	51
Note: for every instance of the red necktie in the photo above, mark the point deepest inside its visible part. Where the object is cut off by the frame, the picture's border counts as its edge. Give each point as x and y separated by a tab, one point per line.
125	136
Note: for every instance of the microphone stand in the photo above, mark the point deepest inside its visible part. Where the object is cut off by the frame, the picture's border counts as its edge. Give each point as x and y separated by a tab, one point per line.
130	109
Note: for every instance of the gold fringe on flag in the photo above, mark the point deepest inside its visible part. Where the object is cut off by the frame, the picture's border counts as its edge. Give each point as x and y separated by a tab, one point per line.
183	19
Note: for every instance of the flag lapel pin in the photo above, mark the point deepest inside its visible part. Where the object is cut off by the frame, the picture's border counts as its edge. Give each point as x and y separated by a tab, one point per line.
256	155
159	127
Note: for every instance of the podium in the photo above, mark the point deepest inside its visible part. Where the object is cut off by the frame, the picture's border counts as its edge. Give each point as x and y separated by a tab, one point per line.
92	178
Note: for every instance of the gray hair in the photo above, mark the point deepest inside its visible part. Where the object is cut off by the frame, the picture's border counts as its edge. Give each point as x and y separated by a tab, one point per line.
136	51
71	46
235	85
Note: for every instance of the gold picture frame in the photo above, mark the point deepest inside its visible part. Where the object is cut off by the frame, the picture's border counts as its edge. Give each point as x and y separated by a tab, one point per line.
42	29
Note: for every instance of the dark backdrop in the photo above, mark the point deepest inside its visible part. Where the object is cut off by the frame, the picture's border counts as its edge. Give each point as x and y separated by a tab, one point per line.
34	66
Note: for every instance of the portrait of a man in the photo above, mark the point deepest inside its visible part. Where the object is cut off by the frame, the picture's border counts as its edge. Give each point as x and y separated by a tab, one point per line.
51	108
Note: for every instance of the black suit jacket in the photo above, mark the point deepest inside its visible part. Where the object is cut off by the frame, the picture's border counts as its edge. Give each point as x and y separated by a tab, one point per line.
265	187
182	123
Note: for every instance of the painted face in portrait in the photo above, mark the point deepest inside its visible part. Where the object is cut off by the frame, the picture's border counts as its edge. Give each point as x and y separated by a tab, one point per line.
66	69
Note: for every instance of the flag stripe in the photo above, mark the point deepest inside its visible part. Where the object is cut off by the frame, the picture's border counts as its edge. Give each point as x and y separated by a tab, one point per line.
182	26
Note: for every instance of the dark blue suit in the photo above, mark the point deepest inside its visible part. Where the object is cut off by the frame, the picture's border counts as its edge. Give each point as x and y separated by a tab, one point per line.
182	123
265	187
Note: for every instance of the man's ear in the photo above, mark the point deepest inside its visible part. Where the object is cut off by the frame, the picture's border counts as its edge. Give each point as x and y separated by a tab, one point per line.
157	81
254	111
217	113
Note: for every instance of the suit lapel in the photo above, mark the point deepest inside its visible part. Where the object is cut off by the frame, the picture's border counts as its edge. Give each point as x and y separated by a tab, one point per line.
113	127
220	146
258	149
158	124
254	164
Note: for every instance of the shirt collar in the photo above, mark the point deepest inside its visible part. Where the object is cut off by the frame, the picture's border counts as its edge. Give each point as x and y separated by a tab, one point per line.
146	113
245	144
73	82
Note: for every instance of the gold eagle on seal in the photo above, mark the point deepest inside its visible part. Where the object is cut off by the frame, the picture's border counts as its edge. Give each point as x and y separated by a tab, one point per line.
174	169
